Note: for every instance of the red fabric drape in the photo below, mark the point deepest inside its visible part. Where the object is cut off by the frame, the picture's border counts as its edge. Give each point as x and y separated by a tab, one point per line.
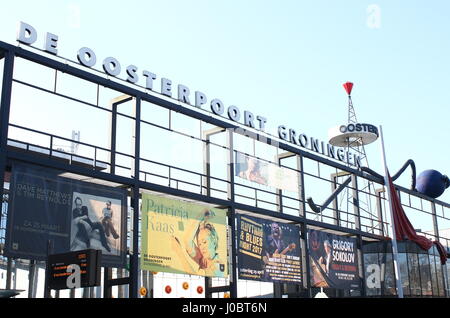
442	252
404	229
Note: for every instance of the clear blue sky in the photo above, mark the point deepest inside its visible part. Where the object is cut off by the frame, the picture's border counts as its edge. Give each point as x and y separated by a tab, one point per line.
285	60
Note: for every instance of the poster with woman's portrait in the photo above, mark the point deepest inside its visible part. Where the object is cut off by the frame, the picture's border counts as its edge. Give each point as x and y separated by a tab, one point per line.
265	173
251	169
183	237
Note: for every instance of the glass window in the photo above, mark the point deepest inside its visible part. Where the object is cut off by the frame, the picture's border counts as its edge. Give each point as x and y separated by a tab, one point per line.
403	264
448	278
401	247
389	276
34	73
433	276
440	276
372	271
445	274
414	276
425	275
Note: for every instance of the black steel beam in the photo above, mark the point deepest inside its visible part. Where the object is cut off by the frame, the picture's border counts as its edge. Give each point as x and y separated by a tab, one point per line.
72	168
302	195
307	279
118	281
219	289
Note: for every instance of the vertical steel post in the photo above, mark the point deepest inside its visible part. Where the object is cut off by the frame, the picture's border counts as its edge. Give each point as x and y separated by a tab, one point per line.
336	214
361	263
5	105
47	271
113	138
144	275
277	290
302	207
398	277
436	233
380	211
8	273
306	263
31	277
279	193
232	215
115	102
435	221
206	190
150	284
36	279
120	292
278	287
112	162
206	182
107	276
134	258
355	202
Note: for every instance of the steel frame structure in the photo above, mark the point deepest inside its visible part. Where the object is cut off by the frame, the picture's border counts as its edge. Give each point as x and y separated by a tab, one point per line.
134	183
